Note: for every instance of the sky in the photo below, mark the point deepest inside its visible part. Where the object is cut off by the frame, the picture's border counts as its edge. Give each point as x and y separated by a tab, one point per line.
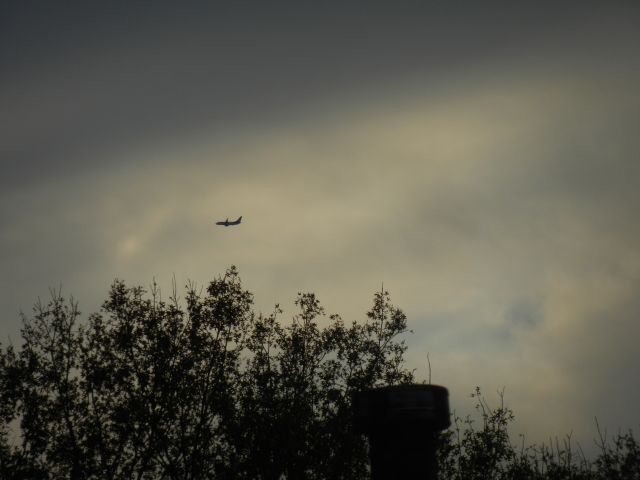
480	159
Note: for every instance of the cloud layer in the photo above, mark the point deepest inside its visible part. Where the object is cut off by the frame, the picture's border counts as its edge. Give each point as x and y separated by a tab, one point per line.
494	194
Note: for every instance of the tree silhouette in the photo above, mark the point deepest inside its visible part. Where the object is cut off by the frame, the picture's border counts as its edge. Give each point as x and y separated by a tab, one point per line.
206	388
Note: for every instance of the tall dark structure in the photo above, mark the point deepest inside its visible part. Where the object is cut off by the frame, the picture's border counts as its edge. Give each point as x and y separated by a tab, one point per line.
401	423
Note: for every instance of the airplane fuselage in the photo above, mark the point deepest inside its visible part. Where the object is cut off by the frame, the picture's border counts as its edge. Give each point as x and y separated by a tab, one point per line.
227	223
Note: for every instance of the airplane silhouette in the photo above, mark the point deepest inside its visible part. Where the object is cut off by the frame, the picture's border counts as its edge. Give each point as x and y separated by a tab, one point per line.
227	223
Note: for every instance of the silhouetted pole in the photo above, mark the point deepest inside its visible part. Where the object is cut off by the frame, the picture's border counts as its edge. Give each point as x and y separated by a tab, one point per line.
401	423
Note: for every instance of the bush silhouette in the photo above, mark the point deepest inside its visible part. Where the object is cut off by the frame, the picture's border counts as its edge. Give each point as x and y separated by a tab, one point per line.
487	452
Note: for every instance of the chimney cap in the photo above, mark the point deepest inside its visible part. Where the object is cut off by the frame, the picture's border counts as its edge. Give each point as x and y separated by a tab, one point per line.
401	406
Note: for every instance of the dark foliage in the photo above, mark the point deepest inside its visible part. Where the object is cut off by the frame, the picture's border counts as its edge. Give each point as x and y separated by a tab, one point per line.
205	388
199	389
467	451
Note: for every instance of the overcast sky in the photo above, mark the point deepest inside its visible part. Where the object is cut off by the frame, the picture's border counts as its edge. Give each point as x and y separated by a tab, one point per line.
482	160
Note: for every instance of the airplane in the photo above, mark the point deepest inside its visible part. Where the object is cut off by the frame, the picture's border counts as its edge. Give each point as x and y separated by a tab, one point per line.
227	223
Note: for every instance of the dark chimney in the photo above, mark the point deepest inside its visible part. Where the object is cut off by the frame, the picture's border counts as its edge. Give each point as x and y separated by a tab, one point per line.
401	423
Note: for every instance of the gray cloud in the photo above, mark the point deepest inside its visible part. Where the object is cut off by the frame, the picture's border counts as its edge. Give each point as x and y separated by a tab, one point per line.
80	82
525	312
